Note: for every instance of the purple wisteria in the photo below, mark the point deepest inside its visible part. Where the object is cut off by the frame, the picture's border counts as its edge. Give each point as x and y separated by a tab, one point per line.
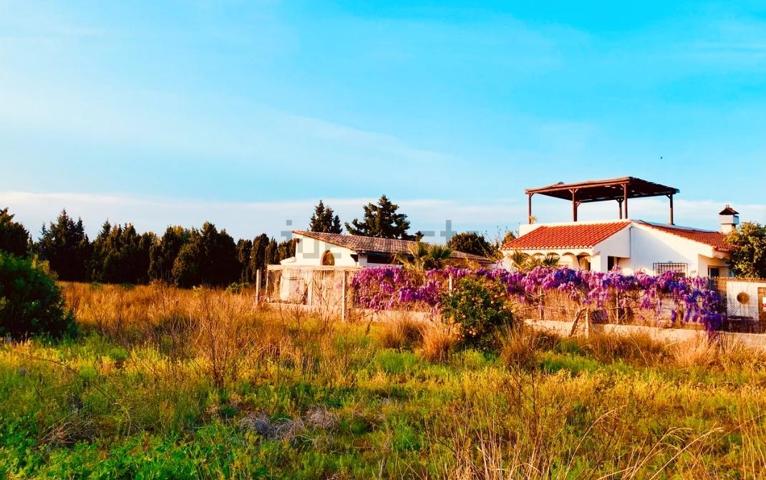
671	296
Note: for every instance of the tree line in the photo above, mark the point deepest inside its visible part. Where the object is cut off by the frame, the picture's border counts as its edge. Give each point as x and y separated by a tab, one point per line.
188	257
182	256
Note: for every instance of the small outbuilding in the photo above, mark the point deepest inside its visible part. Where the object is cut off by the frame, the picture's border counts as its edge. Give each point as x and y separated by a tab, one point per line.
324	263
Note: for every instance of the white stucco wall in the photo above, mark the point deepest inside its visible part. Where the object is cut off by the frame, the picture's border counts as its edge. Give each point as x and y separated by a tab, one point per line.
705	263
748	309
650	246
618	246
309	251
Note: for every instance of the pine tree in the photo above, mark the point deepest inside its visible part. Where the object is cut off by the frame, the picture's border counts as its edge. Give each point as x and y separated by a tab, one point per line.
208	258
14	238
286	249
272	253
66	247
121	255
187	267
324	220
381	220
163	254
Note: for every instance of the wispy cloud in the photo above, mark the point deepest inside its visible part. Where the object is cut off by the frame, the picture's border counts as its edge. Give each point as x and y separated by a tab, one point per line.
248	219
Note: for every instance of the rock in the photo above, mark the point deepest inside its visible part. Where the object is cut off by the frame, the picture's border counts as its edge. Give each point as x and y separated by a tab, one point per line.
259	424
321	418
289	429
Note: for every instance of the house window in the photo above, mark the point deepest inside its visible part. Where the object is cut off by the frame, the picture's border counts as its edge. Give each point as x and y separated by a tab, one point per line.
713	272
611	263
660	268
379	258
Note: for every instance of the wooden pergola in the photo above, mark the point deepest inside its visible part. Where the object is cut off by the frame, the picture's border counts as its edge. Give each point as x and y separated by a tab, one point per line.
617	189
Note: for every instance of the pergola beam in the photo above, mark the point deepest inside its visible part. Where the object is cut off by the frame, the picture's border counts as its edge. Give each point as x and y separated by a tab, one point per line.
620	189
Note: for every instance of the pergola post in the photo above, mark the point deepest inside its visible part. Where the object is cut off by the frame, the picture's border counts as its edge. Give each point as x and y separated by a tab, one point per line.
672	222
625	198
529	208
574	204
619	206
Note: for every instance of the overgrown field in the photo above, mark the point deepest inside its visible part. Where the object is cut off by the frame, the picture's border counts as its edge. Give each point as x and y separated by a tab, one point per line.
165	383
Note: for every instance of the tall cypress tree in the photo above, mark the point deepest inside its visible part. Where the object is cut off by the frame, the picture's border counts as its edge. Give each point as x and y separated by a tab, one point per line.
272	253
243	257
286	249
258	256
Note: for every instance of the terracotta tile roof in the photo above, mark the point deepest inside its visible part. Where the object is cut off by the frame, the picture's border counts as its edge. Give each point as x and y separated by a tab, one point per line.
388	246
716	240
585	235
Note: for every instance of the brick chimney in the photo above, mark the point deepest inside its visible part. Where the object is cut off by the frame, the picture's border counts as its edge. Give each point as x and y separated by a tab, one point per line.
728	218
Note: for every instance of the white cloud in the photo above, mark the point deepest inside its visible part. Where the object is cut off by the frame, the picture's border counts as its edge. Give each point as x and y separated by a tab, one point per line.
248	219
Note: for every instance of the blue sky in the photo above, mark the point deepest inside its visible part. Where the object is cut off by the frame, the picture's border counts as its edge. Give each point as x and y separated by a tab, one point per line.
247	113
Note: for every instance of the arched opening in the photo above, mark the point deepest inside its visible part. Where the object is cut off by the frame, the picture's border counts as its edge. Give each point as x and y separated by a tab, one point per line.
328	259
569	260
584	261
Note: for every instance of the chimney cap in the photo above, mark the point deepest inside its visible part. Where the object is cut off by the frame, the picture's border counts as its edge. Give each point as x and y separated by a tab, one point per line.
728	211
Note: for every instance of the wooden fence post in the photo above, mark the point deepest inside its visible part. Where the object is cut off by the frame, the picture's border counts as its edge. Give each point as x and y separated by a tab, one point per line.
266	287
257	287
343	299
310	296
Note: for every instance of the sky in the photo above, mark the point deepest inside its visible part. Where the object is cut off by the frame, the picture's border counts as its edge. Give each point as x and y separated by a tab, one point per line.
247	113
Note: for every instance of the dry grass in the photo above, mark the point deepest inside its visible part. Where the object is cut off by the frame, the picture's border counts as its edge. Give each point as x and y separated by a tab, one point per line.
403	332
637	348
439	342
221	331
519	346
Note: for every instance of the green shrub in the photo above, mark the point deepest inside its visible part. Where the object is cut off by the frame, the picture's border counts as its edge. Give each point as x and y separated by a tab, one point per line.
30	301
480	308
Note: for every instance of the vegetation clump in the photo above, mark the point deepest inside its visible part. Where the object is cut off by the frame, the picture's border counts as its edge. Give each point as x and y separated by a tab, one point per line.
472	242
748	250
480	308
30	301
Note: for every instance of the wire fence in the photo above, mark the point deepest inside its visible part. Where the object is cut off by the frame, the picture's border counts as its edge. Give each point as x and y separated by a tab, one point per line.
323	290
328	291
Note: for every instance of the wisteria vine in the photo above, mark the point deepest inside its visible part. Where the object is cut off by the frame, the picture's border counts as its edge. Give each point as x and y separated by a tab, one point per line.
686	299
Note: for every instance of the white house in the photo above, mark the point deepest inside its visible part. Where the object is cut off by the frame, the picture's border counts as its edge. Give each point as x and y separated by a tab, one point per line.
630	245
314	249
626	244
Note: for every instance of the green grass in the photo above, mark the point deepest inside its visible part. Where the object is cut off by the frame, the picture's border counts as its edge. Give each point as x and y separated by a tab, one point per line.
95	410
98	408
